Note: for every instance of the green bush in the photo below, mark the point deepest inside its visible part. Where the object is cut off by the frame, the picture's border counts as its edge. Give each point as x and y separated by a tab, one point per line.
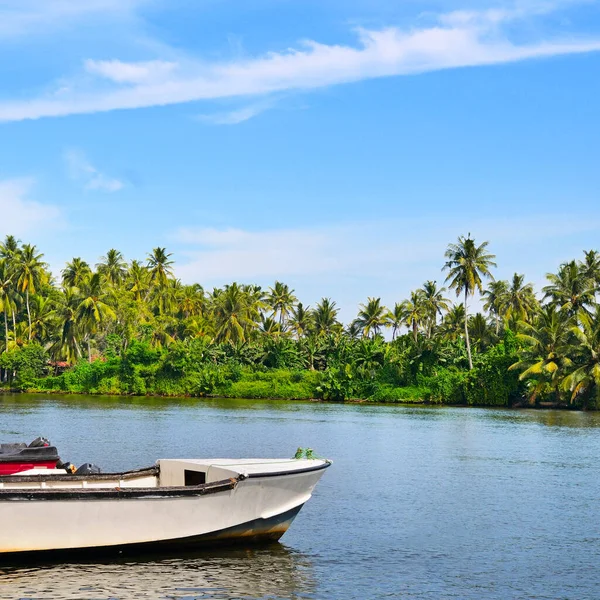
391	393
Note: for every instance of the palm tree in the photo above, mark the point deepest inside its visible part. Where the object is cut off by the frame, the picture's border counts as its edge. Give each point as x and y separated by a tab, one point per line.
75	273
520	301
67	345
480	332
495	300
371	317
544	356
5	290
415	312
454	323
92	309
301	321
467	263
282	300
590	267
395	319
160	267
112	267
138	280
191	300
30	274
236	313
324	316
584	375
570	289
434	302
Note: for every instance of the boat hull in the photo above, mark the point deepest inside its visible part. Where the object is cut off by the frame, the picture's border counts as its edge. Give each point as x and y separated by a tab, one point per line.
253	509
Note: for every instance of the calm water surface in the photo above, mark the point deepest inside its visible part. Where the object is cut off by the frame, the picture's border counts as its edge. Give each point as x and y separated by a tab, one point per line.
420	503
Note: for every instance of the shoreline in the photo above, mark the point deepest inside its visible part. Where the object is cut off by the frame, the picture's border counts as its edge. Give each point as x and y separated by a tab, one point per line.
518	406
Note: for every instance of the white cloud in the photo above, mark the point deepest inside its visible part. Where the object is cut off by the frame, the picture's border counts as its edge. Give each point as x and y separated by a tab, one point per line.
80	169
458	39
21	215
237	116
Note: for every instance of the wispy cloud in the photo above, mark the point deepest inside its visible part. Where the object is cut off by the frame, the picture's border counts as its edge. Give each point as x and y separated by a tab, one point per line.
80	169
239	115
20	214
454	40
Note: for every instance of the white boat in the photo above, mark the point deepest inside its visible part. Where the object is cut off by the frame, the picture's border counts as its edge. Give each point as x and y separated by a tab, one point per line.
178	503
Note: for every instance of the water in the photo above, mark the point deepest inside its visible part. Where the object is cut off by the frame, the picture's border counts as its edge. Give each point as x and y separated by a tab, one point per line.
420	502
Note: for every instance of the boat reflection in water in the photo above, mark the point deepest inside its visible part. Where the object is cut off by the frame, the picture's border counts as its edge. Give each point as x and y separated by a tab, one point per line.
273	572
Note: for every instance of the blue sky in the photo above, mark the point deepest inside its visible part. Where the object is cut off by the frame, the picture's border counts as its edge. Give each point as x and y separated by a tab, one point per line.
336	145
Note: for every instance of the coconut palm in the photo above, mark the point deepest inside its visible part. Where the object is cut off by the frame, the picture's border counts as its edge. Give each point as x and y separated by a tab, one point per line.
138	280
454	322
371	317
415	312
92	310
495	300
324	317
434	302
520	301
544	357
6	284
112	267
467	264
570	289
395	319
30	272
75	272
480	332
236	313
67	346
282	300
590	267
583	378
160	267
301	321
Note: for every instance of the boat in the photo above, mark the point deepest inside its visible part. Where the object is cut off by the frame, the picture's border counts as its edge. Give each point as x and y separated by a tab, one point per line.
175	504
39	454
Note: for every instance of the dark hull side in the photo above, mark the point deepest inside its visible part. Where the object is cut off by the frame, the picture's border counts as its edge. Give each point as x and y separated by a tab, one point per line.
253	532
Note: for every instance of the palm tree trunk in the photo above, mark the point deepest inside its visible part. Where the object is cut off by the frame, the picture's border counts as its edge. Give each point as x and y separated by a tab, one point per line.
6	329
415	330
28	311
497	323
89	345
467	333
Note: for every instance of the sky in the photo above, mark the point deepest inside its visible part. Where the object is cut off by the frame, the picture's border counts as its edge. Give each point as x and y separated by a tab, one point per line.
335	145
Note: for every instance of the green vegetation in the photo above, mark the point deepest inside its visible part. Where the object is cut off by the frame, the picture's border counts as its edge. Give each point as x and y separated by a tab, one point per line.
133	328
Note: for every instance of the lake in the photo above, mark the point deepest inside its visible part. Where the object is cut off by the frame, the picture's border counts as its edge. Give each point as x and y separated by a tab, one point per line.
419	503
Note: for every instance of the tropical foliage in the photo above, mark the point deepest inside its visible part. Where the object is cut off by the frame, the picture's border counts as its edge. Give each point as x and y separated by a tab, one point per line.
132	327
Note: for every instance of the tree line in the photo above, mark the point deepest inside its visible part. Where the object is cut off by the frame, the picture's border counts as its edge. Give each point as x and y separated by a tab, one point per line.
133	327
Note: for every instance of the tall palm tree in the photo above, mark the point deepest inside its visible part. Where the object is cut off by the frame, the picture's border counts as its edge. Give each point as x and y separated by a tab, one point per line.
30	274
454	322
570	289
75	272
415	312
434	302
282	300
138	280
495	300
372	316
590	267
466	265
92	309
112	267
544	355
5	290
324	316
67	345
520	300
480	332
301	321
160	267
236	313
395	319
584	374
